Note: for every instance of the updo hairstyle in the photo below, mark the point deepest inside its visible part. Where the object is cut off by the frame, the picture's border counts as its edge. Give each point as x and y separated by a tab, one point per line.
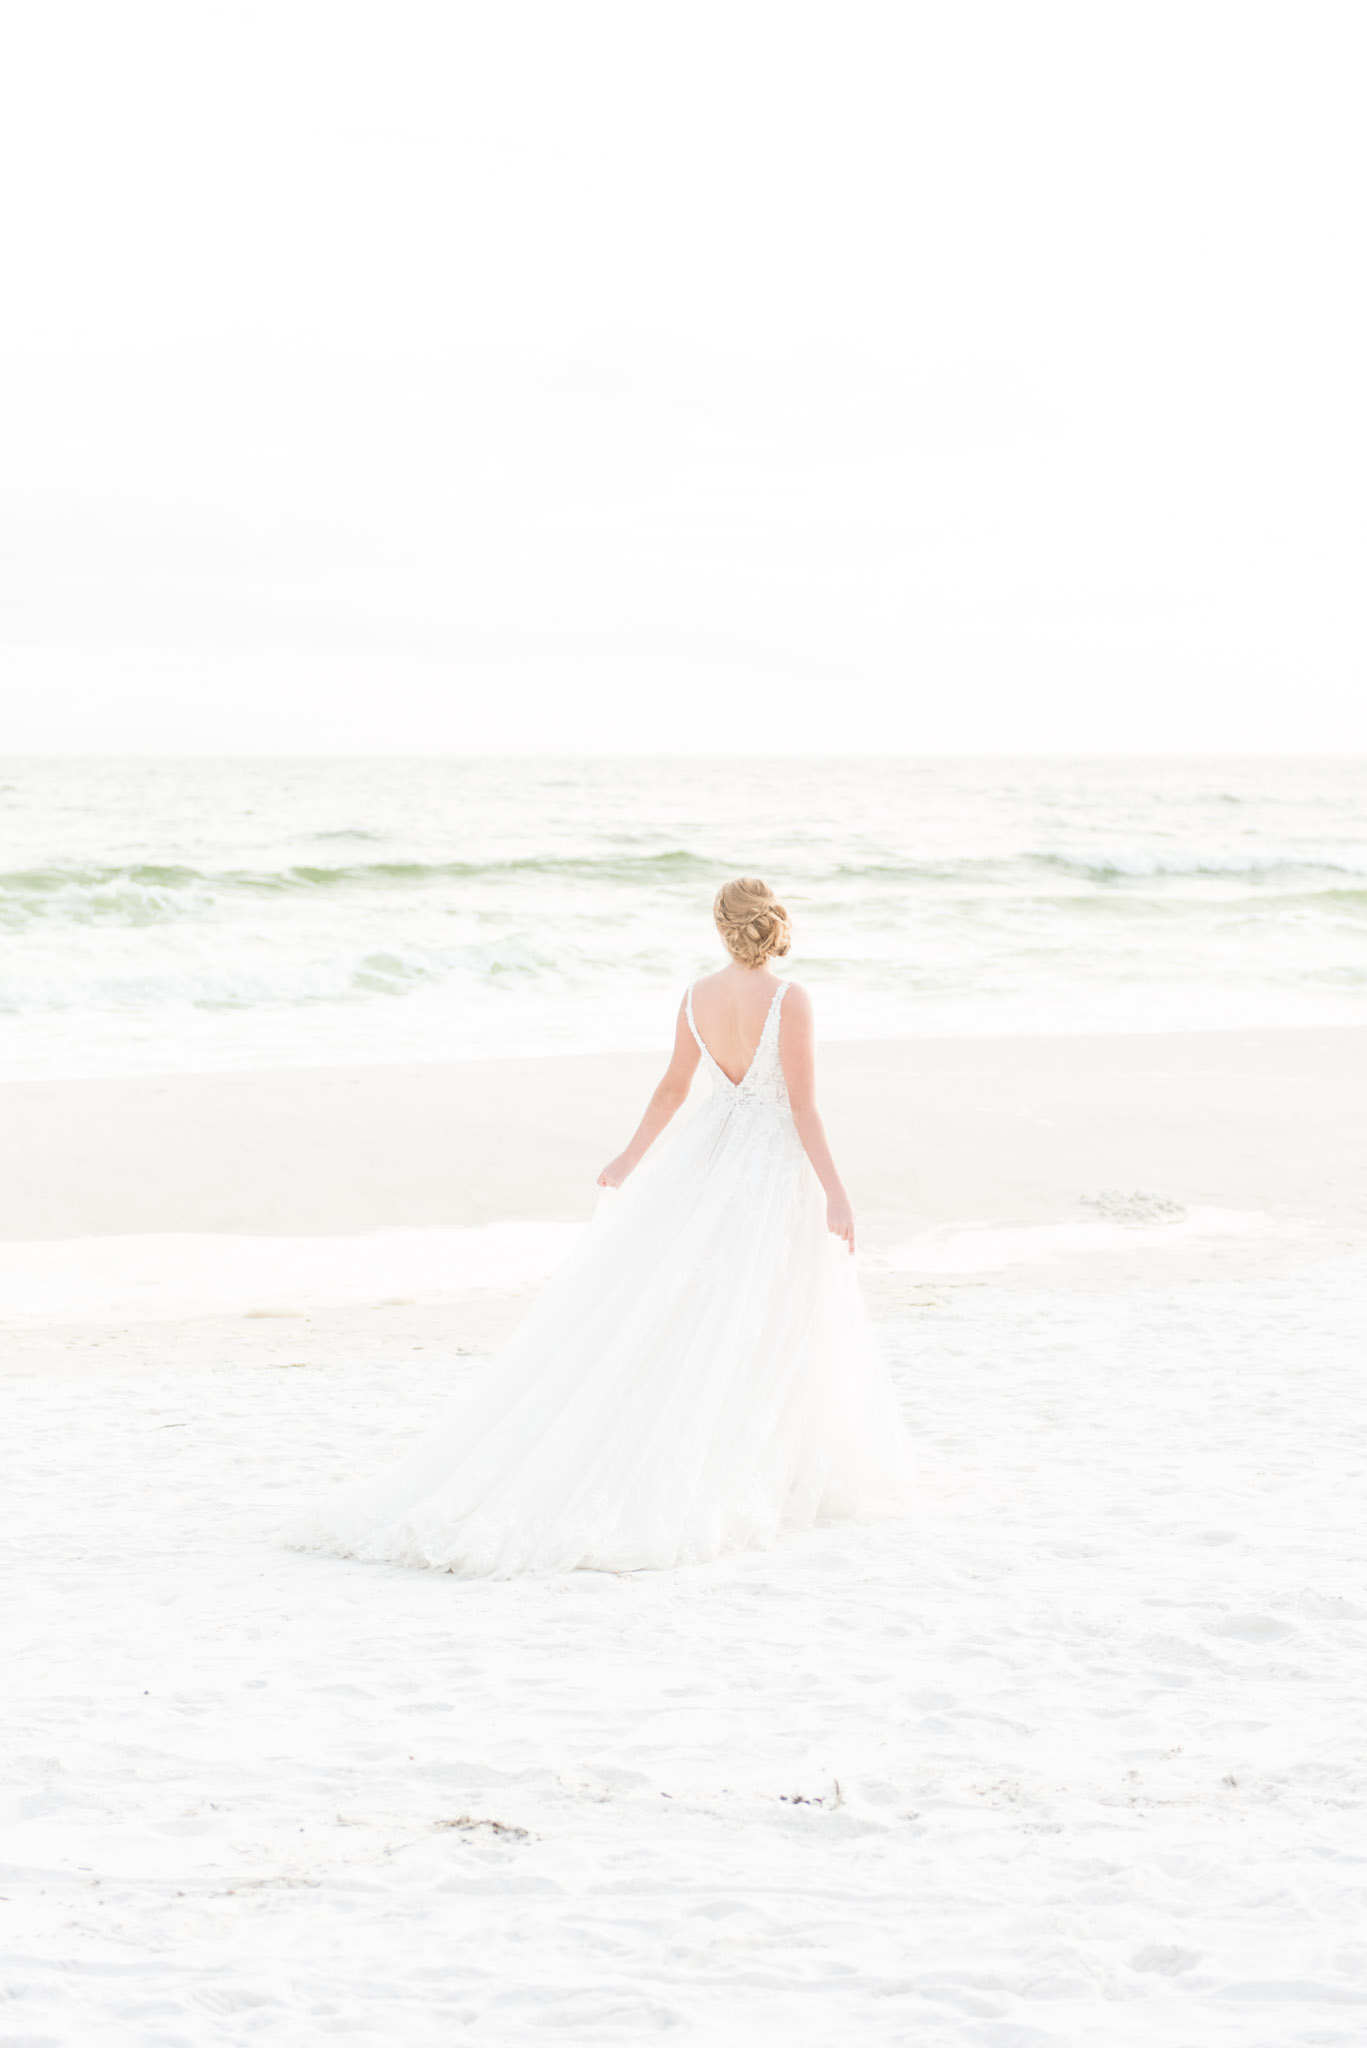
753	924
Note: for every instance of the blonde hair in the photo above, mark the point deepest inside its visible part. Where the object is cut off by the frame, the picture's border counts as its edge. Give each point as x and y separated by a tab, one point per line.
753	923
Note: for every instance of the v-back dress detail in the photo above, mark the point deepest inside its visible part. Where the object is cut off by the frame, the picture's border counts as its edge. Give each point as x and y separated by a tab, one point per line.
700	1375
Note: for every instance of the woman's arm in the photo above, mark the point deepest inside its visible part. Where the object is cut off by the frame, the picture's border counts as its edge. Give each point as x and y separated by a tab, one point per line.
797	1053
661	1106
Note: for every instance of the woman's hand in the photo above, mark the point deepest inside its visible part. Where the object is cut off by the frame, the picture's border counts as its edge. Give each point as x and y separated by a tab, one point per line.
840	1217
616	1171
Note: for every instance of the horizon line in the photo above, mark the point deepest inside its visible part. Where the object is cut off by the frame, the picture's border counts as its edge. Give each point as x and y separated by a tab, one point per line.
651	754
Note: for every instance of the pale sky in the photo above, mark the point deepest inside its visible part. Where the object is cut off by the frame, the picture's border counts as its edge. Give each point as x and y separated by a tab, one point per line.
659	377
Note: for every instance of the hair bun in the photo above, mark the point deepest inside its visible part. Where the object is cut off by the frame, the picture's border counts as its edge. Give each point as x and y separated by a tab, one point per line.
754	925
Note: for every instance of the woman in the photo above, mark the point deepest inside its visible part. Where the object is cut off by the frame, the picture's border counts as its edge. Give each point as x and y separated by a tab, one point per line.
701	1374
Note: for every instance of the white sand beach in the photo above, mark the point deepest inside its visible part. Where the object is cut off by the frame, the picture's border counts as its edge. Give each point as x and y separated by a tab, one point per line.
1073	1757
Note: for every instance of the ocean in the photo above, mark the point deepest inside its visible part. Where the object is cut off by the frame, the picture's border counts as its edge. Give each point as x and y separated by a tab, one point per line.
197	915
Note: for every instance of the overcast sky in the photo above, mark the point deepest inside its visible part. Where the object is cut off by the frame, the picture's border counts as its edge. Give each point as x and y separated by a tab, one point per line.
680	377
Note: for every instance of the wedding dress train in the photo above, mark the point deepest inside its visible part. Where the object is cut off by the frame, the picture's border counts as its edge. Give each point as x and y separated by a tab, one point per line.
700	1375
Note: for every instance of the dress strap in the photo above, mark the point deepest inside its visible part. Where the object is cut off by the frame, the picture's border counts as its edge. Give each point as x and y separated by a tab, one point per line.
688	1006
771	1017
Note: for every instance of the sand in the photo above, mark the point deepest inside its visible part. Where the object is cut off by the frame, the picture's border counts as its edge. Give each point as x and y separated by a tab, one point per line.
1075	1757
928	1132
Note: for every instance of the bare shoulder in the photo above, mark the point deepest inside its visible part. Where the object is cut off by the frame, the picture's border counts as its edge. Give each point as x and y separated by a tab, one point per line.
797	1008
796	1042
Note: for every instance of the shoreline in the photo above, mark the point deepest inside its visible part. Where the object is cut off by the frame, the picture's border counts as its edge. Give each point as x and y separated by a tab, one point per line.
930	1134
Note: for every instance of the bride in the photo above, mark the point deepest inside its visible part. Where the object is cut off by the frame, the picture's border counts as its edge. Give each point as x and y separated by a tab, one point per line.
701	1374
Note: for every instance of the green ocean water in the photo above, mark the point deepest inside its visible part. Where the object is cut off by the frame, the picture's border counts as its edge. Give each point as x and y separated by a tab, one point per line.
198	915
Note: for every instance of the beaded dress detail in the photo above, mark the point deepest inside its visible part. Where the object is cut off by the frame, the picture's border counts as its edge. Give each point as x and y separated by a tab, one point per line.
699	1376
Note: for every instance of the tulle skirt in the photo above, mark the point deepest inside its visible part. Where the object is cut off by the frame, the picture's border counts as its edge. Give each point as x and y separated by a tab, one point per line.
698	1377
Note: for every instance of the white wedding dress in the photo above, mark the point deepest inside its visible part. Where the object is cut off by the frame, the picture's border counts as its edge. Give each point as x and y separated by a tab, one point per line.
699	1376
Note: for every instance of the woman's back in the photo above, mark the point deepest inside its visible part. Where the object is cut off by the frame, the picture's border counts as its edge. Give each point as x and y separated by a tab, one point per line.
730	1009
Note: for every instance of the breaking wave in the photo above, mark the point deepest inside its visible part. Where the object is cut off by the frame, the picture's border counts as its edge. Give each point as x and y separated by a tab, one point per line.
239	912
